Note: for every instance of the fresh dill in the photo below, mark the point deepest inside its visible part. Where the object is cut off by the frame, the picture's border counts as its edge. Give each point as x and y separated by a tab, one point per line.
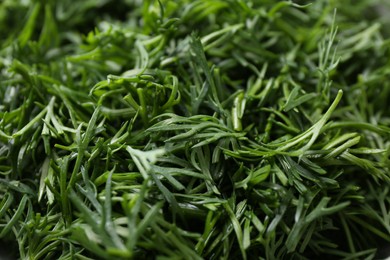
194	129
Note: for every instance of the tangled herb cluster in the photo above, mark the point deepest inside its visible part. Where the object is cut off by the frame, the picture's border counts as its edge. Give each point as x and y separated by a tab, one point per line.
194	129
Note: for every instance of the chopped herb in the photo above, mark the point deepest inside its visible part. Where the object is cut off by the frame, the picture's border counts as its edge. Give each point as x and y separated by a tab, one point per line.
194	129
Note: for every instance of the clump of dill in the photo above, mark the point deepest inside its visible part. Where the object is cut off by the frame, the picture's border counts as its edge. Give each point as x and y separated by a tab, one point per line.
194	129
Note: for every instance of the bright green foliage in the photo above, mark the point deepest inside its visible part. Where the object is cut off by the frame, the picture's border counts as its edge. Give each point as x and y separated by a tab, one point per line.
206	129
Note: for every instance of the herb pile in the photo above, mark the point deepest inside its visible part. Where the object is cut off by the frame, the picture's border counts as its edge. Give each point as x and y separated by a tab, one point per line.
194	129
